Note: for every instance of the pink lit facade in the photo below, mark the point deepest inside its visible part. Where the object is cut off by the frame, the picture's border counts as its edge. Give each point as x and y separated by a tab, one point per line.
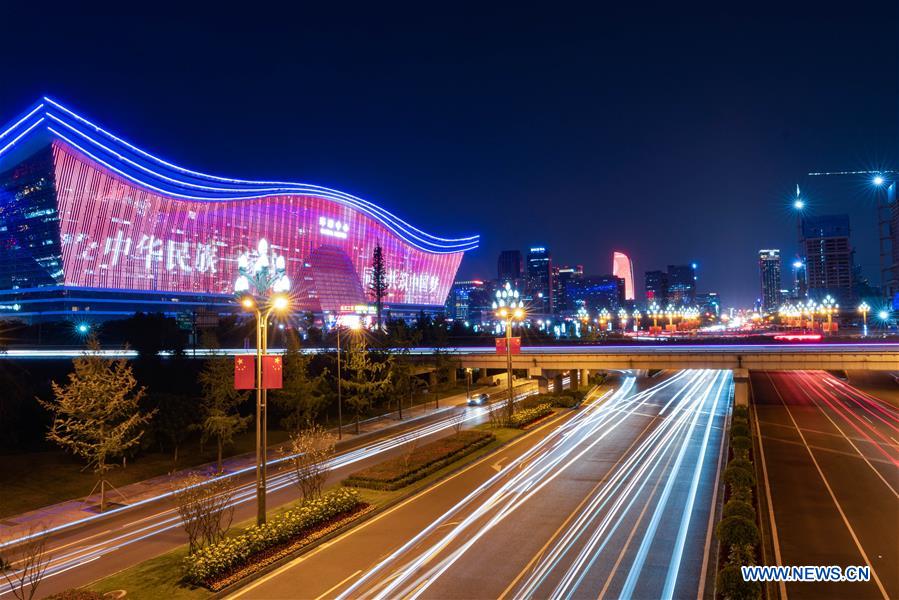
623	267
116	235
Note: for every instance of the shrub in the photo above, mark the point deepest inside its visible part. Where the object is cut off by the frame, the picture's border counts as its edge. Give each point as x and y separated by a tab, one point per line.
739	477
741	555
529	415
737	531
214	561
739	429
740	442
75	594
742	462
732	587
738	508
741	493
399	472
741	412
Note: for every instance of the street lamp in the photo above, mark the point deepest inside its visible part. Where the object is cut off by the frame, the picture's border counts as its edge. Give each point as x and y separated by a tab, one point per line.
262	286
622	318
654	310
637	316
864	308
829	307
509	307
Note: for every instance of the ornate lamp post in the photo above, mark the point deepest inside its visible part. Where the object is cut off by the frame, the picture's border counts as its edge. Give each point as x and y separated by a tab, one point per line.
622	318
604	317
829	307
637	316
864	309
509	307
656	311
352	325
262	287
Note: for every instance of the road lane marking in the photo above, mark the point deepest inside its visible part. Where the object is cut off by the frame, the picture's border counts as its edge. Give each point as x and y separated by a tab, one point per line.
334	587
833	497
577	509
394	508
778	560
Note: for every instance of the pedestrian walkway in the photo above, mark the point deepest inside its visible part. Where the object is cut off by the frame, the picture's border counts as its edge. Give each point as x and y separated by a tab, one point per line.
72	512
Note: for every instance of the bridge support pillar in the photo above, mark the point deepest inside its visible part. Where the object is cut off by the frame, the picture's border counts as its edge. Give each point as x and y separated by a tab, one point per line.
432	379
584	377
573	378
741	387
453	376
557	383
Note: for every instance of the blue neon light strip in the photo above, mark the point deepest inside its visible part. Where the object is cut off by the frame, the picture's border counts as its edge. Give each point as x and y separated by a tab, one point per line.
149	173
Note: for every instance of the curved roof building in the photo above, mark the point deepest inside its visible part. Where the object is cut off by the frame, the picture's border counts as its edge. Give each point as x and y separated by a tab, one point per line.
90	222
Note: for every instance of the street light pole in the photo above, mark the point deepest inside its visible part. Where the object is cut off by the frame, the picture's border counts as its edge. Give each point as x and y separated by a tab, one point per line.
339	393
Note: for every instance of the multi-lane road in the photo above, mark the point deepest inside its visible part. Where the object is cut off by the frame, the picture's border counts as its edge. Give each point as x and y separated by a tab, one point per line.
830	479
612	500
107	543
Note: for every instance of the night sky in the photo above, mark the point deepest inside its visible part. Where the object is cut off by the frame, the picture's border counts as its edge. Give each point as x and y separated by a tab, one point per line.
674	137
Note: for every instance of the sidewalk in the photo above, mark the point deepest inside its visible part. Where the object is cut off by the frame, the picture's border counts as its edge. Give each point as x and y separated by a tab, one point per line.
72	512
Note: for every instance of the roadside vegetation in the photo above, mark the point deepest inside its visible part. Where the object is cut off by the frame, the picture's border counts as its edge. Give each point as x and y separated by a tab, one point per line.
738	530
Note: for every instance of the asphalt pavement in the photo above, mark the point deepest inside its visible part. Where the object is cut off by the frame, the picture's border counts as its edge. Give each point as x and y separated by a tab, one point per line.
830	478
612	500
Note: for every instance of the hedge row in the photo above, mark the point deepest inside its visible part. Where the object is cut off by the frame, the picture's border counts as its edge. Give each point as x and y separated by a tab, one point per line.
563	399
399	472
738	531
529	415
215	561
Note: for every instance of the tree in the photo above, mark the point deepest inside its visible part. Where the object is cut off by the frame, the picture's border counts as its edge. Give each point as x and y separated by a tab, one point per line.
177	416
221	421
378	286
365	379
402	368
27	564
302	396
206	508
310	450
96	415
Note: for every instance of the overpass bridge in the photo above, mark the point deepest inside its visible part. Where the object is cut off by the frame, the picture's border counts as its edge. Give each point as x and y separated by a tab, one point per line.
552	360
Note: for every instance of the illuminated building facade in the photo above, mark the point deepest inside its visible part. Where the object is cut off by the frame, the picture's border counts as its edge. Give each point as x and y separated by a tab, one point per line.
828	256
769	276
623	267
539	289
91	224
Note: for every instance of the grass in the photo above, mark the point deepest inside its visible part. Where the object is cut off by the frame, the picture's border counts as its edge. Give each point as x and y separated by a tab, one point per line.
38	479
159	577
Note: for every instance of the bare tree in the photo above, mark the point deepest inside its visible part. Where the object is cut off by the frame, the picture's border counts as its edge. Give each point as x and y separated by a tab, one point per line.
310	450
27	564
205	505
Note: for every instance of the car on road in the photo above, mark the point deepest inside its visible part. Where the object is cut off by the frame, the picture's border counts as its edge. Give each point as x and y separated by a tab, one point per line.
478	400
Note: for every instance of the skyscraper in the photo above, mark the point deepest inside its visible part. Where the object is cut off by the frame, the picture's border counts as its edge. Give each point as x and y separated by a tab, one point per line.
769	274
623	267
828	256
540	280
681	284
509	266
656	284
562	278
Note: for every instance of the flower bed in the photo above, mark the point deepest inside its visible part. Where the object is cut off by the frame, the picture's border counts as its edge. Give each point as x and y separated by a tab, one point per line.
215	565
527	416
399	472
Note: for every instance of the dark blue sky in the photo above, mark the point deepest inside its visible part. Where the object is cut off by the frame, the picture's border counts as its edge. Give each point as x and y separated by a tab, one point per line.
675	136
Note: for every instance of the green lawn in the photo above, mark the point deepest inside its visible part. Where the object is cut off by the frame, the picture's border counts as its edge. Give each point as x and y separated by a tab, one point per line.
39	479
160	577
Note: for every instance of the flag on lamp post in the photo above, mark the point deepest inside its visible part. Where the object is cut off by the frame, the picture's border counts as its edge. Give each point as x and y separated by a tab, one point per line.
244	372
271	372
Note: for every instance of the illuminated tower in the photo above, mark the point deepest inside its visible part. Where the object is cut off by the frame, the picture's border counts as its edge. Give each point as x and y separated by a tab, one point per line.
623	267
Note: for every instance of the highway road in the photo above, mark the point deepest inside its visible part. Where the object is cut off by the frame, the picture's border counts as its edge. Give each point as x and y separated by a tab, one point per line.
110	542
830	468
612	500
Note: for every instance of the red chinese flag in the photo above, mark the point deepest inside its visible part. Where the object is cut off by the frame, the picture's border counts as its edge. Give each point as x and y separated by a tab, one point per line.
271	372
516	345
501	345
244	372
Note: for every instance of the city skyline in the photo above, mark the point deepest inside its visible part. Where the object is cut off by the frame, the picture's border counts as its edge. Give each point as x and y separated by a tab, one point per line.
749	115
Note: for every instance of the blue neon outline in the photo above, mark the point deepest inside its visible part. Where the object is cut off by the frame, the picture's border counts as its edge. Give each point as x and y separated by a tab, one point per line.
241	190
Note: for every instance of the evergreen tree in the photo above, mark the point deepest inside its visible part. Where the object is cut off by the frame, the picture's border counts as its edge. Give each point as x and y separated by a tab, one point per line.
221	420
365	380
303	396
378	286
96	415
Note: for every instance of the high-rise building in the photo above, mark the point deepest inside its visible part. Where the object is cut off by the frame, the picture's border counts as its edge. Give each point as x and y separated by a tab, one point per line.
509	266
595	292
891	275
769	275
562	277
710	304
92	226
656	284
462	296
539	289
623	267
681	284
828	256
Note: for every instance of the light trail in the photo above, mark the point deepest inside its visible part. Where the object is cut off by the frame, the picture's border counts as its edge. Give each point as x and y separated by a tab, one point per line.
168	519
410	570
